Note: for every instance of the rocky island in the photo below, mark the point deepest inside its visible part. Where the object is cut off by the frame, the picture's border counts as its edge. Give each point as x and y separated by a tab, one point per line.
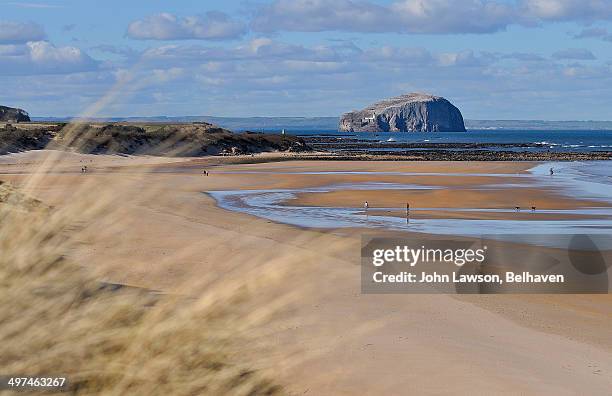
9	114
414	112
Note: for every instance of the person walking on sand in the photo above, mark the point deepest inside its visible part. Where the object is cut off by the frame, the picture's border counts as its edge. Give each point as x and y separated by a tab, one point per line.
366	206
552	171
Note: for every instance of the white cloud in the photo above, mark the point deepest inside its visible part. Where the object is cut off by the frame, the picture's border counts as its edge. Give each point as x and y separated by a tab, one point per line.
263	55
320	15
257	49
212	26
448	16
264	58
20	32
568	10
463	58
42	57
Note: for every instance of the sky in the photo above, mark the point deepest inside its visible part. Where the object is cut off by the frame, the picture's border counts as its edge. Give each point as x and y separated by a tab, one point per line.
494	59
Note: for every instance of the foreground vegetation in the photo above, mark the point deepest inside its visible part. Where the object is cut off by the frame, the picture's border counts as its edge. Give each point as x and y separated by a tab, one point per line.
59	318
13	139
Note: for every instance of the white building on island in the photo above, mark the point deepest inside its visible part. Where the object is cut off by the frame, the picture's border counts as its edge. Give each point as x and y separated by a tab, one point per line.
370	119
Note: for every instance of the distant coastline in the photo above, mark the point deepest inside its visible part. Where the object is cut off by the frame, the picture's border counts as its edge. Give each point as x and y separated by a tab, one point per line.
331	123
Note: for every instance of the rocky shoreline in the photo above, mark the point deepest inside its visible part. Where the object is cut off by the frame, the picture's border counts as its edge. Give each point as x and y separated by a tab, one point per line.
361	149
455	156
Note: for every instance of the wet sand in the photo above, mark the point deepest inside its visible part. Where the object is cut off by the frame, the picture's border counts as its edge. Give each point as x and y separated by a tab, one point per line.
332	339
457	197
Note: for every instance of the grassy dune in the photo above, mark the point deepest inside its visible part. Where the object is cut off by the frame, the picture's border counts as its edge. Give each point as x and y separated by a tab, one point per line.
152	139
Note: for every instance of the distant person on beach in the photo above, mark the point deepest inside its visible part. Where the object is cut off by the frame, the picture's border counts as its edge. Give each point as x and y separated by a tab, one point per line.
365	205
552	171
205	172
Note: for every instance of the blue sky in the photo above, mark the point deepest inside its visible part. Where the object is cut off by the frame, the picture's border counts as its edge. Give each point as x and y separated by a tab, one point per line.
495	59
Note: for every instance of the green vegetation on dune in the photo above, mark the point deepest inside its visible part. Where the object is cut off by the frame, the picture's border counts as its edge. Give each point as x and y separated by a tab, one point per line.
13	139
168	140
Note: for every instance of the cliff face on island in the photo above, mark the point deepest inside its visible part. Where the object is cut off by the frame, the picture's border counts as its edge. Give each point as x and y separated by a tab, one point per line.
9	114
413	112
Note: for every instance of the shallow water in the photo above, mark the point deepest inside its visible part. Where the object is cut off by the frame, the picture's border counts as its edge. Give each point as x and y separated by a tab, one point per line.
374	173
588	180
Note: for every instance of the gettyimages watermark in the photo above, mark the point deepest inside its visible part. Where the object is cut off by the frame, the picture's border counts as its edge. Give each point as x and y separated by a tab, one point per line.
488	264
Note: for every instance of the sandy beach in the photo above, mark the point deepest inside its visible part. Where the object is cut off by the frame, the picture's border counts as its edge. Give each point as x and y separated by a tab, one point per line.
164	230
